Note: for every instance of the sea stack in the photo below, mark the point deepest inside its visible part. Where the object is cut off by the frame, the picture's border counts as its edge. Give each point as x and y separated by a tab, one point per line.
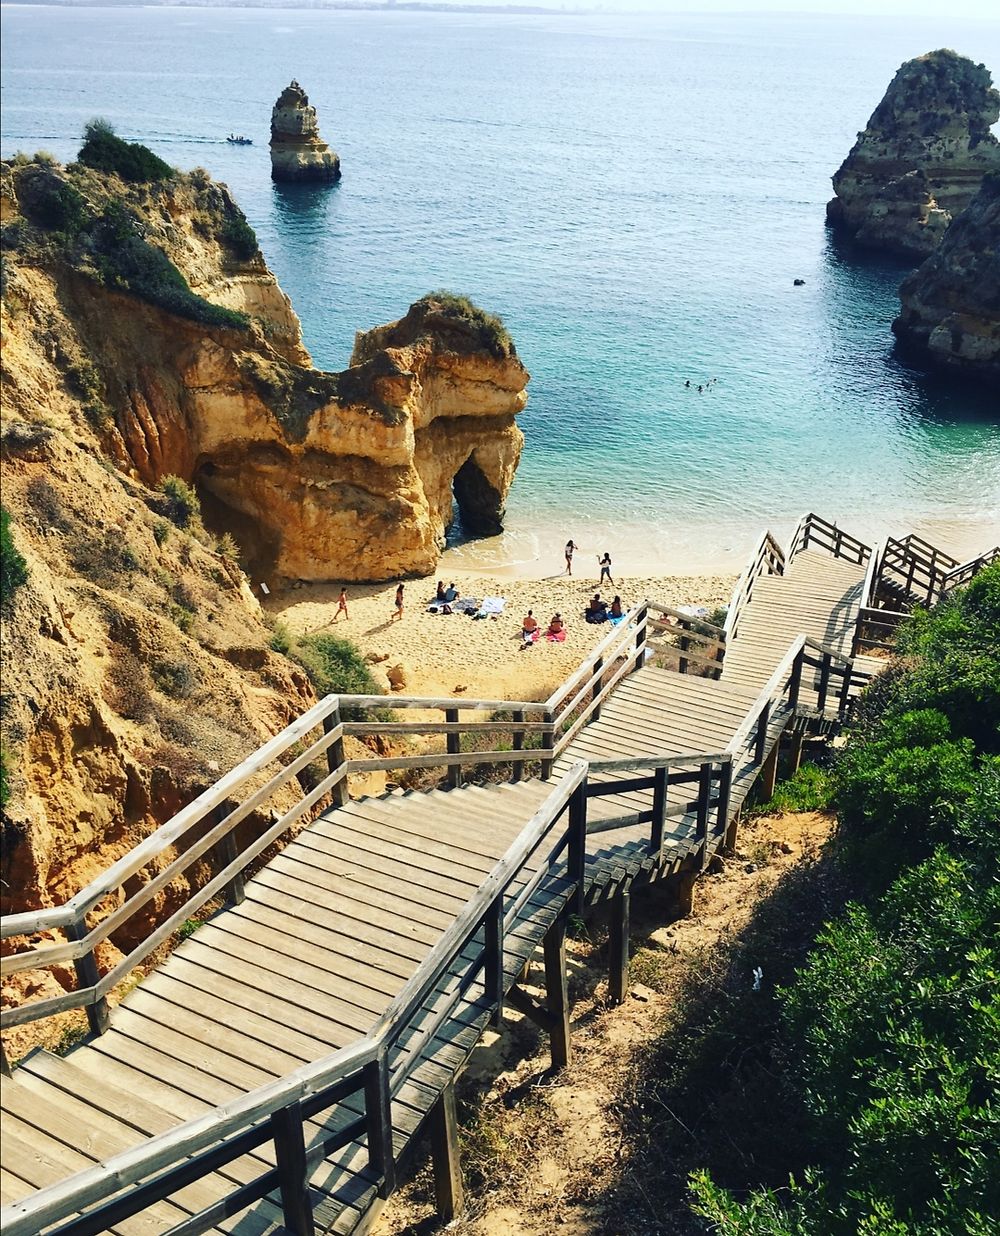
922	157
298	153
950	314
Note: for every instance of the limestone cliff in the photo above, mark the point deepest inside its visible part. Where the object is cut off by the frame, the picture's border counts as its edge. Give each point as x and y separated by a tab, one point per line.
951	304
298	153
921	158
317	475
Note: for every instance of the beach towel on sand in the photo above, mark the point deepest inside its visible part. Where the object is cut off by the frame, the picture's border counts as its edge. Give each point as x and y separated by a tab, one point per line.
615	621
466	605
492	605
531	637
555	637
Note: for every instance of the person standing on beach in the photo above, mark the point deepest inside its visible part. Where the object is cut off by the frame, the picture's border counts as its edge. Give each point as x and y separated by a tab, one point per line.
570	547
605	565
342	606
398	603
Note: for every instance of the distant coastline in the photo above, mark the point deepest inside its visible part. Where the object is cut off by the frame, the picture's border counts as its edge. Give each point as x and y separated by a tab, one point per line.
353	6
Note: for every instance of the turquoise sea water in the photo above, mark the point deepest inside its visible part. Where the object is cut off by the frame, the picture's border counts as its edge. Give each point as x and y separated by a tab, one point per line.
634	196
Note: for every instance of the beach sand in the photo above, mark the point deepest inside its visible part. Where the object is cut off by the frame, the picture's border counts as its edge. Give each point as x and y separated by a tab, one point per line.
447	654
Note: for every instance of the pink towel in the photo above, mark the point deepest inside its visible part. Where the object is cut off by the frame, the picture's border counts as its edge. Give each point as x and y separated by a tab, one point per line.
555	637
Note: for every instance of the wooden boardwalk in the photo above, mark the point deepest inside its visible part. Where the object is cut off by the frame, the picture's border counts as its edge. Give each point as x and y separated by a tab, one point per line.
334	927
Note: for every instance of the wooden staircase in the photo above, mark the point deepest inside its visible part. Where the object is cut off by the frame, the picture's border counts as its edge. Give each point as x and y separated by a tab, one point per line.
268	1076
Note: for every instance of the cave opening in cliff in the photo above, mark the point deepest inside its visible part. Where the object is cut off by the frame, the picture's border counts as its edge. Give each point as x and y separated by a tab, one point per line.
478	507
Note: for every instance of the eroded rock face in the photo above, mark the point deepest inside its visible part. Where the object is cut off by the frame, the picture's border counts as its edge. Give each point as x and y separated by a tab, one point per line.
922	157
298	153
950	313
318	476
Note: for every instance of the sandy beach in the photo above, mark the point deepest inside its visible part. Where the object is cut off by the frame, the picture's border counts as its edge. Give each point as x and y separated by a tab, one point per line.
444	654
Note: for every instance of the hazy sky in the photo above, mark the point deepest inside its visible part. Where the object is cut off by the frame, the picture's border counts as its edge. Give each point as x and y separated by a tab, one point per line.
892	8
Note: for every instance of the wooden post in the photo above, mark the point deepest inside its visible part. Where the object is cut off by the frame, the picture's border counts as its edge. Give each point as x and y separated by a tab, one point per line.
845	690
98	1013
225	848
5	1069
732	832
293	1175
640	638
557	993
493	940
577	859
683	890
335	758
618	948
769	774
378	1110
454	742
661	784
549	737
795	753
518	744
598	670
684	646
795	680
448	1190
704	801
762	723
725	789
824	680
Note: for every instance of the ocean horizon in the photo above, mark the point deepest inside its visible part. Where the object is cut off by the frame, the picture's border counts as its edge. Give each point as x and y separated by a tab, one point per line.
635	196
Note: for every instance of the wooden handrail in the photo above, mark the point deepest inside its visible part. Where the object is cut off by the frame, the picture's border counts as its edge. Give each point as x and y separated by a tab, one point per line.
623	633
766	553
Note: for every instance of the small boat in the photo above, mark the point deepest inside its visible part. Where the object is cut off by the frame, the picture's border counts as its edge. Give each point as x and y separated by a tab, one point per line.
235	139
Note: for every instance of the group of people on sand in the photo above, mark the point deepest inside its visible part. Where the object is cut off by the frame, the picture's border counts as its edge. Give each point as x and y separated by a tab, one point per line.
603	561
555	632
598	611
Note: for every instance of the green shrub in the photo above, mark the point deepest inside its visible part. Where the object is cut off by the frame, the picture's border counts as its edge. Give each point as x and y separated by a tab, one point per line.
13	568
239	237
54	203
487	327
809	789
124	259
335	667
105	151
281	639
183	507
161	531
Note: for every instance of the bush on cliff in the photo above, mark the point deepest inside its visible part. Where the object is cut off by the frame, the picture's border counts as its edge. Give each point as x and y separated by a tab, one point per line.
890	1031
105	151
124	259
13	568
239	237
335	667
488	327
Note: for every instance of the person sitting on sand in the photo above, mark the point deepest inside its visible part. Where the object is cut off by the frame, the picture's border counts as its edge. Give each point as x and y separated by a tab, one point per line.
342	606
597	610
616	608
529	630
557	631
398	603
450	594
439	595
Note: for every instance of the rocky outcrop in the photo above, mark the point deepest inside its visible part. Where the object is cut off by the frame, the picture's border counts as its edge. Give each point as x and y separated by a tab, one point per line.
922	157
298	153
348	476
950	314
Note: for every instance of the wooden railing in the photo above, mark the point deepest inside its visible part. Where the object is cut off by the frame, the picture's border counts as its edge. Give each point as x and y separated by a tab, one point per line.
228	836
684	642
768	558
358	1081
815	531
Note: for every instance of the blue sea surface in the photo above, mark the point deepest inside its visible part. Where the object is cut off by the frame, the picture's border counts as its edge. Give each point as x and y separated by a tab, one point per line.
635	196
